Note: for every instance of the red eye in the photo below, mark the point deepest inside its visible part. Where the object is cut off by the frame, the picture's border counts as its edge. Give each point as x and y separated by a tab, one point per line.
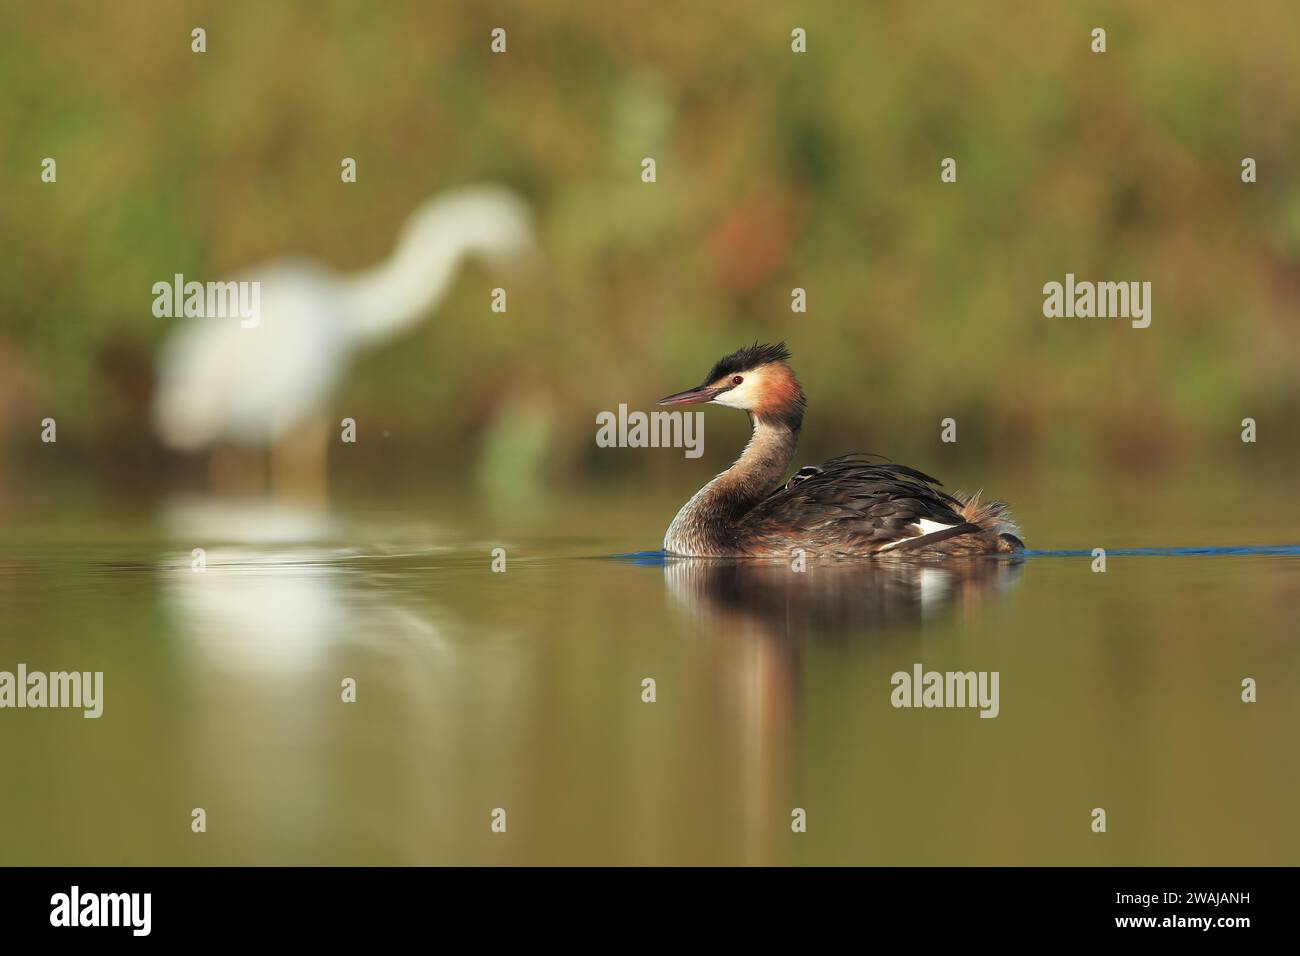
737	380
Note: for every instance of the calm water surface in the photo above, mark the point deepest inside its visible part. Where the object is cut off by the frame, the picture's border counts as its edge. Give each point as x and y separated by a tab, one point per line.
523	691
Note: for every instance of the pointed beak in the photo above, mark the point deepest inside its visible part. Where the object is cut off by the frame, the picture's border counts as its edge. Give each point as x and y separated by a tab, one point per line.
692	396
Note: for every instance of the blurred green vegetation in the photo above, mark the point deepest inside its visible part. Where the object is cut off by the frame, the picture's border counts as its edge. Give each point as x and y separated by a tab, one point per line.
775	170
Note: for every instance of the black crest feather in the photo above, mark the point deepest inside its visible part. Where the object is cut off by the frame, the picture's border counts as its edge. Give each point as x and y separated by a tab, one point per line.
743	360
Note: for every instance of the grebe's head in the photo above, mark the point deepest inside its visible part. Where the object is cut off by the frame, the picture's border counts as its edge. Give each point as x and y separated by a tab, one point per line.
757	379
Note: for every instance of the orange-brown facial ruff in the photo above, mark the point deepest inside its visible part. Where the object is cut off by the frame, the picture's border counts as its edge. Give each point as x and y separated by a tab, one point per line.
771	393
780	396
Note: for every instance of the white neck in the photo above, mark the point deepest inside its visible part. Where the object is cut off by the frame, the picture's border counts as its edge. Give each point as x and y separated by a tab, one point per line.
391	297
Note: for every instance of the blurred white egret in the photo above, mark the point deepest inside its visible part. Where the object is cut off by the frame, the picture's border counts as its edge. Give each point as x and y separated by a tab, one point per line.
219	382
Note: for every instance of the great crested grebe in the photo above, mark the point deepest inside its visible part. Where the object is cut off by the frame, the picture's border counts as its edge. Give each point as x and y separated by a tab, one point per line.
854	505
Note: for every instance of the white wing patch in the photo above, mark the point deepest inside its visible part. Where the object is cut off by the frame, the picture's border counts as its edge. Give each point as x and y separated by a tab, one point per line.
930	527
927	527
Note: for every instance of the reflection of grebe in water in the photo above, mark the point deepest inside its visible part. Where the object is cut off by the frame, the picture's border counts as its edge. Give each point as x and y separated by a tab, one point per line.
830	596
854	505
757	617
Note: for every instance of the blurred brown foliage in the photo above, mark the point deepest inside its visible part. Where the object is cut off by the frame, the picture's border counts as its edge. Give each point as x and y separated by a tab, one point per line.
775	170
